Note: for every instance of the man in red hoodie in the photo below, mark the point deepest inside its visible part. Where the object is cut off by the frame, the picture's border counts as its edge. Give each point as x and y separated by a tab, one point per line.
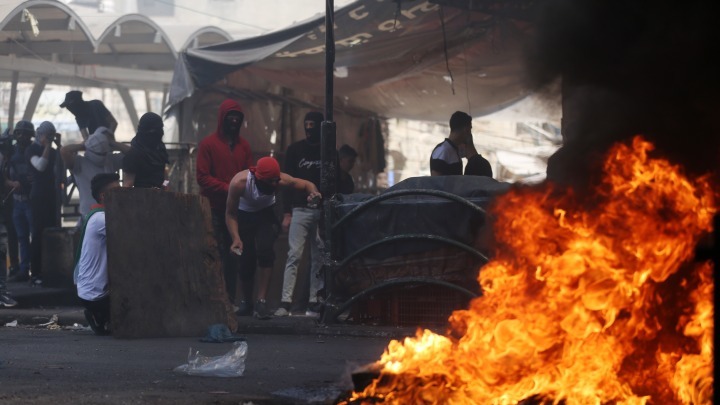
221	155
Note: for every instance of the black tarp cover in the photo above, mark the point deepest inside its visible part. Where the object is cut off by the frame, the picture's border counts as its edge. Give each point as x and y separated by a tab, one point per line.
390	61
418	214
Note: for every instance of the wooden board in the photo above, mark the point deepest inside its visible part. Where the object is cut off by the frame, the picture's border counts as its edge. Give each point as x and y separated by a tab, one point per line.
164	267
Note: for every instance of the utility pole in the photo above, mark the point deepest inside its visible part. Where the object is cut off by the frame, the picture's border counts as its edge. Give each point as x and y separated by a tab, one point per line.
328	153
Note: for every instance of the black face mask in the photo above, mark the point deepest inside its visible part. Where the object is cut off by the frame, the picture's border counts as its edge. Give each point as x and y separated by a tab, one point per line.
23	140
313	134
264	187
154	136
231	128
74	108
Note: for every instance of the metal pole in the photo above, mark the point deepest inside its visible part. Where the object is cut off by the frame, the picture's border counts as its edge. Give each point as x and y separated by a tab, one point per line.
328	153
329	57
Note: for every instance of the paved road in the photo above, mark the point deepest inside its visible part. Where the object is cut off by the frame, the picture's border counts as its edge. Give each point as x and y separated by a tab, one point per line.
42	366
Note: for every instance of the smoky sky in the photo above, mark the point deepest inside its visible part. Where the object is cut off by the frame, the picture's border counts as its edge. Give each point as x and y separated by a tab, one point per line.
632	67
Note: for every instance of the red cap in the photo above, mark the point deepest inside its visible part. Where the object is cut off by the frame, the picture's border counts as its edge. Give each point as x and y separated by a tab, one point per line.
267	168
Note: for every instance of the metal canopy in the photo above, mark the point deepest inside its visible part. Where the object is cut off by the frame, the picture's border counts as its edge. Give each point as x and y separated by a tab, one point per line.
49	41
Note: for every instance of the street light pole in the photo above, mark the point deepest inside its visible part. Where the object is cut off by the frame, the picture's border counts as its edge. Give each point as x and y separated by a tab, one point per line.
328	153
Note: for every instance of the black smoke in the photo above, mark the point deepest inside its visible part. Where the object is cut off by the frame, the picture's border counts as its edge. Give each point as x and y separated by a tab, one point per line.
630	67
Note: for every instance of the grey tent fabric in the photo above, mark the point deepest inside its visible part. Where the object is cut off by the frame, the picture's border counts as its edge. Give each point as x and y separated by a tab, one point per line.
390	60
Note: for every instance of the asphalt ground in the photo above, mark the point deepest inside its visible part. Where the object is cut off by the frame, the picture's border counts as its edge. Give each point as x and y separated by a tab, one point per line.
48	355
56	365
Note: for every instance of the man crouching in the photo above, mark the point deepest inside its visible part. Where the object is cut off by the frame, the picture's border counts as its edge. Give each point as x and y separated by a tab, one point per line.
91	274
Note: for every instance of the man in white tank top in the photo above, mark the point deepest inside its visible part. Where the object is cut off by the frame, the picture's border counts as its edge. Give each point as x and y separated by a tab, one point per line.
253	226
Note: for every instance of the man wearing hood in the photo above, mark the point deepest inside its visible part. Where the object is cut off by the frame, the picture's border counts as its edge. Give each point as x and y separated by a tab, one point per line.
302	160
5	223
221	155
44	192
98	158
7	147
144	164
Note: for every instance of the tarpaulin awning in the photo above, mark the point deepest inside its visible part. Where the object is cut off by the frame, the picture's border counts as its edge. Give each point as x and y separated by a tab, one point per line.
403	59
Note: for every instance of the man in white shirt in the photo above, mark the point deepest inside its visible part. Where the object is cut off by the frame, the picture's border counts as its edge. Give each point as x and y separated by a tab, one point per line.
92	275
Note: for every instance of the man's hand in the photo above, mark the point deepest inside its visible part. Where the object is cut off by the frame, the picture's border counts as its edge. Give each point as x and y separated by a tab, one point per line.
286	222
314	195
236	247
313	199
470	150
15	184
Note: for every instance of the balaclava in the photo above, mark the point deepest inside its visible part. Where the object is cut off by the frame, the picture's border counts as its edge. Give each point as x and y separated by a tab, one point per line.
28	131
312	122
231	127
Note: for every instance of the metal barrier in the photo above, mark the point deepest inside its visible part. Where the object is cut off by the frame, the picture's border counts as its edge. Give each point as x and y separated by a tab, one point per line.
335	305
180	174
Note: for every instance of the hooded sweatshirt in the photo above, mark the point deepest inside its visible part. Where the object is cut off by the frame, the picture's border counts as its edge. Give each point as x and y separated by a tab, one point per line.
147	156
219	159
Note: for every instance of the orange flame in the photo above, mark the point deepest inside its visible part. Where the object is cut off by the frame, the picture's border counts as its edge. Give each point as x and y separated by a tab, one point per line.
588	302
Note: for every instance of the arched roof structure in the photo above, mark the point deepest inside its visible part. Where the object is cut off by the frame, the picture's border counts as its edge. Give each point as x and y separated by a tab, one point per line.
206	36
49	42
46	40
134	40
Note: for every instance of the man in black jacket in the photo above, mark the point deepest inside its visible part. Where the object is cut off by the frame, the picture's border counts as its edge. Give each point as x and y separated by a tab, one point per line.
302	160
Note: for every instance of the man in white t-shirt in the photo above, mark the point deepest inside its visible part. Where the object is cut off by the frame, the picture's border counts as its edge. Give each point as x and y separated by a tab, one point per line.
92	275
98	158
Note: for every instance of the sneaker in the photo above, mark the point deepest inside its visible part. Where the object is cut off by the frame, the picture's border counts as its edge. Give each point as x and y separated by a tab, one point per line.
19	277
261	312
284	309
6	301
243	309
36	281
314	309
98	329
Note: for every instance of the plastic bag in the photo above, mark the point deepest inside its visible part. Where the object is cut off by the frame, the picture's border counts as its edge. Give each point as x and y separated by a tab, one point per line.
231	364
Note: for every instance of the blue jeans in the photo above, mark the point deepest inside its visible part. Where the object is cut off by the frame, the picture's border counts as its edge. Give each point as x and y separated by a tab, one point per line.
303	226
22	218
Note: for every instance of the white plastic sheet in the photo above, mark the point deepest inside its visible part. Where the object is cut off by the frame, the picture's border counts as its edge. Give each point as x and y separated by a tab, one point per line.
231	364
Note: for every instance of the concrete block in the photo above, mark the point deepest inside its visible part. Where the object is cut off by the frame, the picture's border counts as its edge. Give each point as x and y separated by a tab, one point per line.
164	267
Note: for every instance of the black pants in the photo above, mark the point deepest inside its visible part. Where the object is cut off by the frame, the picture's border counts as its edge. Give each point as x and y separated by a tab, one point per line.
44	215
100	312
258	232
12	251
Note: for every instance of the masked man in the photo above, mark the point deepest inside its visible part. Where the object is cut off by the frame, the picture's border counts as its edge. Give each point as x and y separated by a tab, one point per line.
98	158
19	182
251	222
302	160
44	193
221	155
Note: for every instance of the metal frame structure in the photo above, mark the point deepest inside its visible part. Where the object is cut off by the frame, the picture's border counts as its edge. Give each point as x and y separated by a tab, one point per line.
336	305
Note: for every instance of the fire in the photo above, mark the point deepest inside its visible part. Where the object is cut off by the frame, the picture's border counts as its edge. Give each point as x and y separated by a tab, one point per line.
587	301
